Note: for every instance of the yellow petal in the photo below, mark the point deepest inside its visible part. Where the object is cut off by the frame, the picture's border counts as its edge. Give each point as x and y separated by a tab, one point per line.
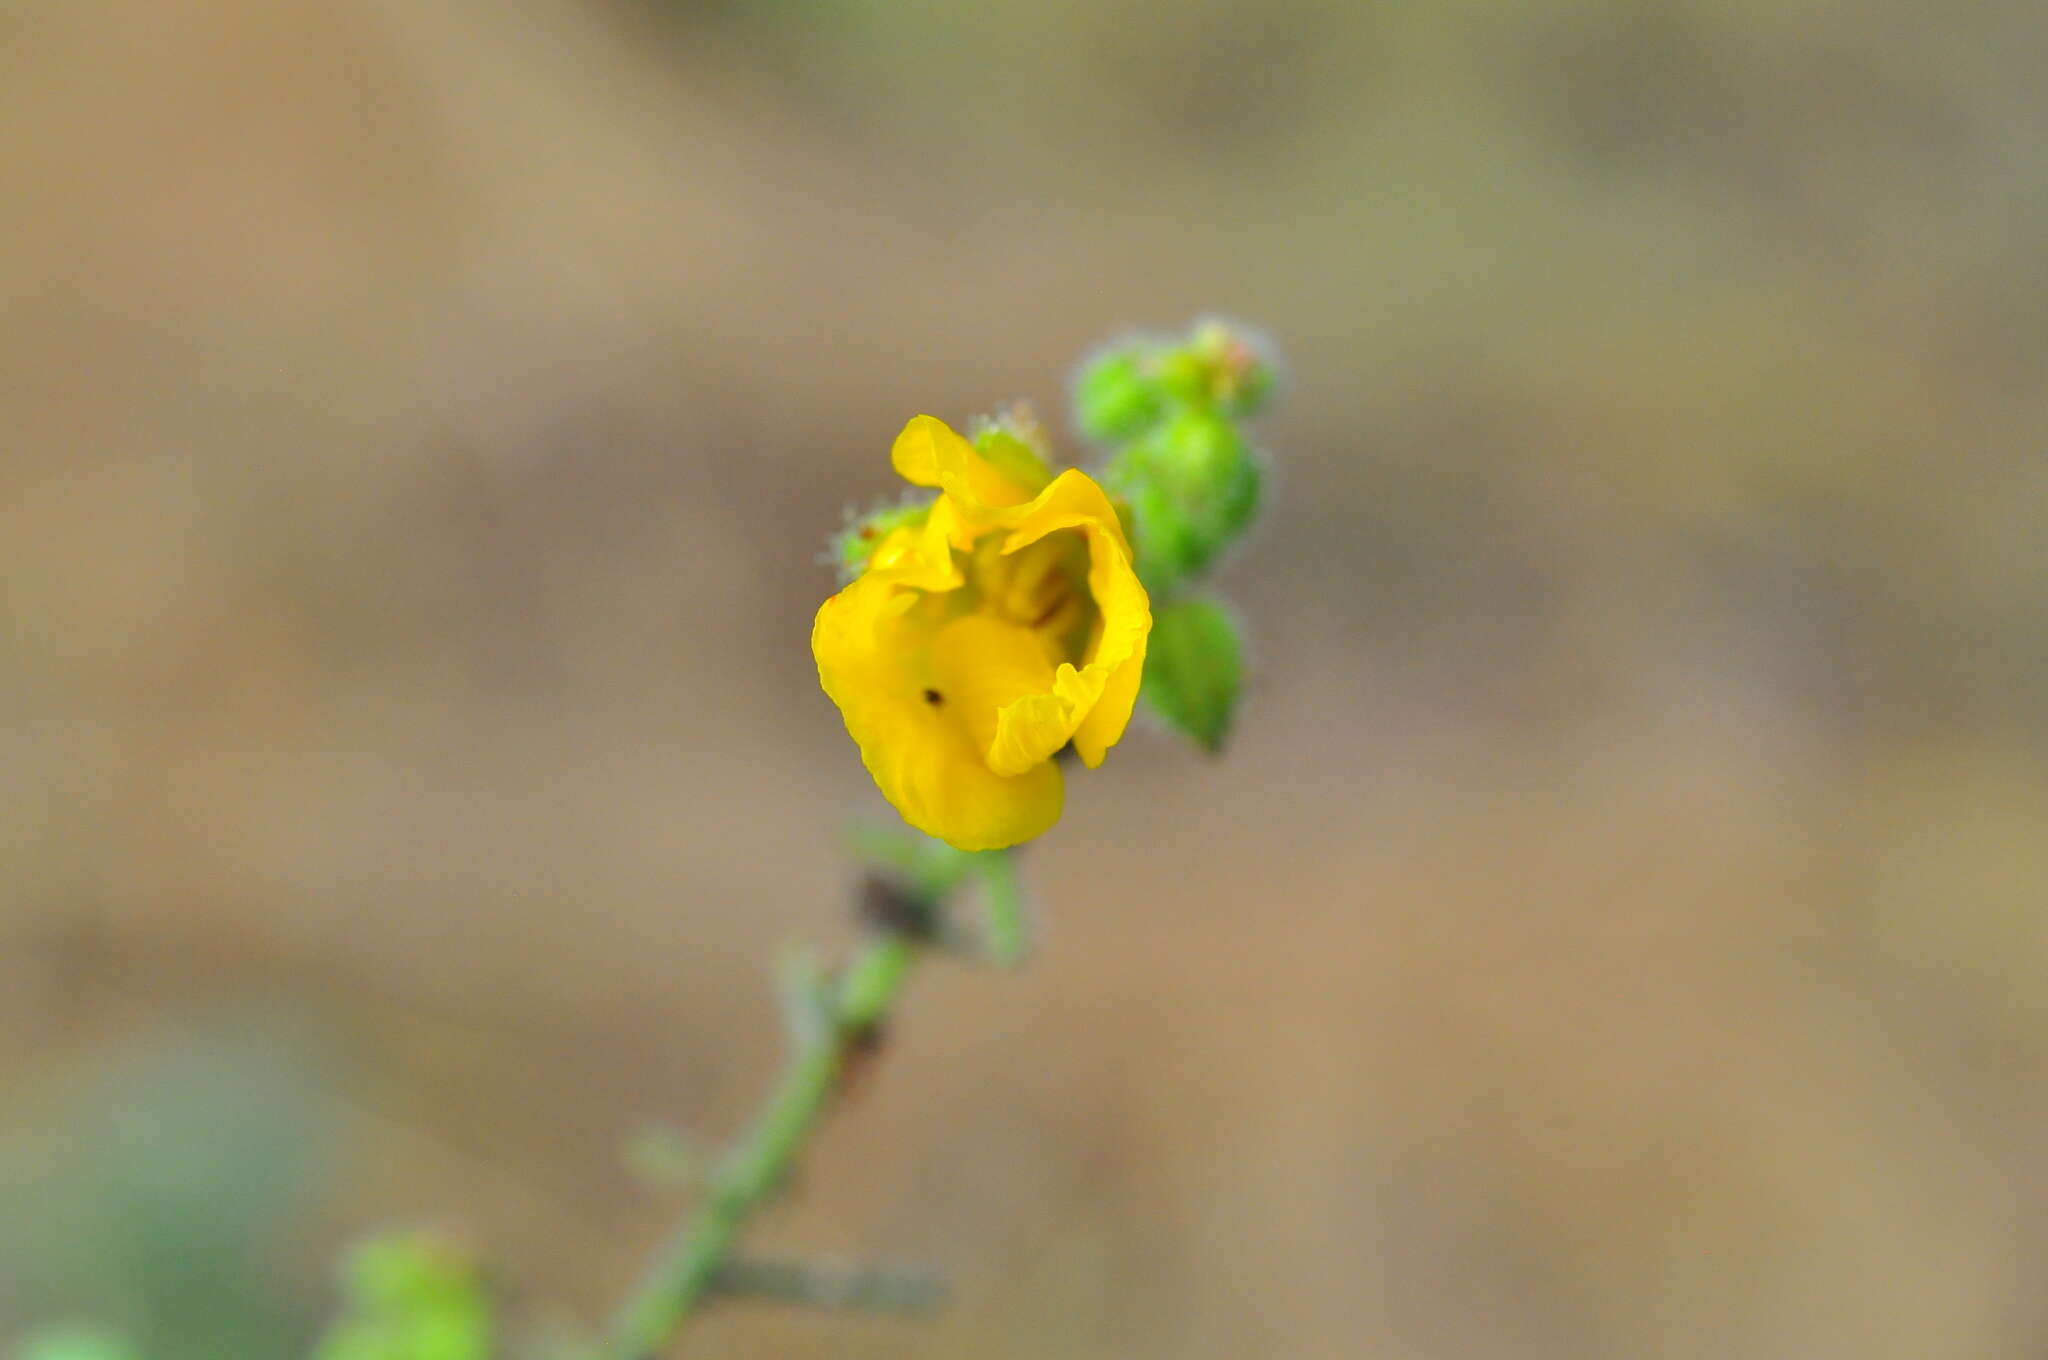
875	660
921	556
1123	629
930	453
1104	726
984	668
1097	697
1073	500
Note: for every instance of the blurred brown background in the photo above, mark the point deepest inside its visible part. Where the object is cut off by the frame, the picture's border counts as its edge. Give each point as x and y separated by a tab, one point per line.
1617	931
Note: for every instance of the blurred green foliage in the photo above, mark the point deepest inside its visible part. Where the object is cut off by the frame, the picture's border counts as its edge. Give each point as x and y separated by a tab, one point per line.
410	1295
82	1341
166	1211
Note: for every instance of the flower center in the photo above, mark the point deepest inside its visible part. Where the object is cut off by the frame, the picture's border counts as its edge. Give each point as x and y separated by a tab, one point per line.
1042	587
1004	634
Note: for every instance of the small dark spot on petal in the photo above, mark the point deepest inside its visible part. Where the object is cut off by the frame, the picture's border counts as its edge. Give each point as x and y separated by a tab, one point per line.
934	698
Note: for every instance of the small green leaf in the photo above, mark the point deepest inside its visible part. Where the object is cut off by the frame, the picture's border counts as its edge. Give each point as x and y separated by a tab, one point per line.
1194	670
411	1295
831	1283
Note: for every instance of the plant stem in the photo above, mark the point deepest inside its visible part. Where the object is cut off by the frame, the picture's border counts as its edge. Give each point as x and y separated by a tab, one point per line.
685	1270
1007	942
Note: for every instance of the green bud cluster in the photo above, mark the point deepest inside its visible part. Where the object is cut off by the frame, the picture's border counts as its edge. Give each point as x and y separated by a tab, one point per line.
1170	409
1191	484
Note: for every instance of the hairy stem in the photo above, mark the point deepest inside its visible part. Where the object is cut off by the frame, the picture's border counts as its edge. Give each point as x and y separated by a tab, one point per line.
1008	940
687	1267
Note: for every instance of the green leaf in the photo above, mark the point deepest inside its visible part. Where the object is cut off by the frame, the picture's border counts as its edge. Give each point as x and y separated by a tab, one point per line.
1194	670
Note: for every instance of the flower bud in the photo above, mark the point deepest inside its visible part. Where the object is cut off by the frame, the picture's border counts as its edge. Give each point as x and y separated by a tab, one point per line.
1129	388
1184	376
1237	368
1116	397
1193	486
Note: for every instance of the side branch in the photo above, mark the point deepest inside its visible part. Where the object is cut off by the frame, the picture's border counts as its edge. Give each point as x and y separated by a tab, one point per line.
687	1268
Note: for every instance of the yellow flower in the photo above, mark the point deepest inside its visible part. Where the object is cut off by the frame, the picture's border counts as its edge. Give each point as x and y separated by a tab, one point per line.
975	646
